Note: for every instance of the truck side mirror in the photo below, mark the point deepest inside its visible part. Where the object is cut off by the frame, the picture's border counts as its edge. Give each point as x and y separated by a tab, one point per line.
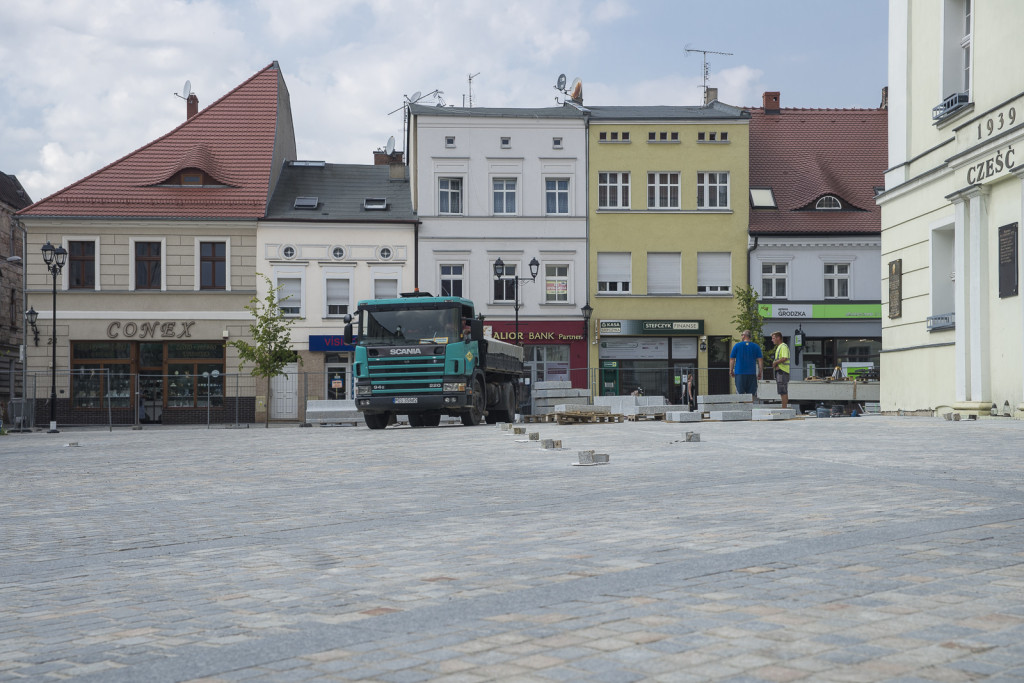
476	329
348	333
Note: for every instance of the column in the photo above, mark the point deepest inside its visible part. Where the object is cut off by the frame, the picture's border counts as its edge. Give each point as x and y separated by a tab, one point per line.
980	349
963	318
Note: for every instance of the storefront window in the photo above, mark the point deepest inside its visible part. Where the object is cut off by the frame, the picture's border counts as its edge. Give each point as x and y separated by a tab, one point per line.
100	372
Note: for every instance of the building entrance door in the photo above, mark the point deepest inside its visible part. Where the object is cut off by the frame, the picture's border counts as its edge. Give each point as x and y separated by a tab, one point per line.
284	402
337	378
151	399
718	365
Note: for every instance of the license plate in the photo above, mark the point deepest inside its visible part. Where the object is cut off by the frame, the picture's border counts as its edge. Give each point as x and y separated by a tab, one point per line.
407	399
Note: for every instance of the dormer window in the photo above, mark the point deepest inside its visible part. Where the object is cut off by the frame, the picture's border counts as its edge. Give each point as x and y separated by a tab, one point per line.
375	204
828	203
307	203
191	178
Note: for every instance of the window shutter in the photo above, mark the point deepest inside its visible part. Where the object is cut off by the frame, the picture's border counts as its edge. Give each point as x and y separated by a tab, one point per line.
664	273
385	289
290	287
614	267
337	292
714	271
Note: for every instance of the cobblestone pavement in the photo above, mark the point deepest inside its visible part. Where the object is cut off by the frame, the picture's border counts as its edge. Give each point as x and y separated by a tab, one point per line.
867	549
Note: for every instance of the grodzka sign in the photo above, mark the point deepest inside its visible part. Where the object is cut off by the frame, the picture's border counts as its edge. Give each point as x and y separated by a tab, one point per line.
130	329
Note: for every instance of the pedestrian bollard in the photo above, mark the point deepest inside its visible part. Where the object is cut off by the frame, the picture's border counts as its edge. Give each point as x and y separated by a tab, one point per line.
586	457
534	436
518	430
692	436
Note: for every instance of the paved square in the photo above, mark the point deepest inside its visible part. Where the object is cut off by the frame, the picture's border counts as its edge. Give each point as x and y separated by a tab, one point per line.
848	550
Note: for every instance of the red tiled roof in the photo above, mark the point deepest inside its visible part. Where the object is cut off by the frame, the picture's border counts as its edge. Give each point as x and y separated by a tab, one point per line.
803	154
232	140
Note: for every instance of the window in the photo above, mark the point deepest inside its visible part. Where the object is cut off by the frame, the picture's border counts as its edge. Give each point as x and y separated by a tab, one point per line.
828	203
713	190
837	280
288	252
613	190
450	199
701	137
664	273
943	270
289	295
101	374
449	141
147	265
774	277
506	143
714	272
385	253
762	198
663	136
556	143
614	272
504	196
212	265
505	287
337	253
81	265
452	279
556	192
724	136
613	136
956	57
306	203
556	283
336	293
663	190
385	288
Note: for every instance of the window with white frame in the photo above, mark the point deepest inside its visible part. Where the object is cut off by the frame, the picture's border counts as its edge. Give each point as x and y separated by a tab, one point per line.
556	196
943	270
449	199
956	51
505	287
146	263
613	190
828	203
712	190
614	272
337	295
664	272
663	190
556	283
289	294
774	280
504	196
837	280
452	275
714	272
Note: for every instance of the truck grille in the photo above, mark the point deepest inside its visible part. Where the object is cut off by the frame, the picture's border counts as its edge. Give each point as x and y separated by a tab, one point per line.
396	376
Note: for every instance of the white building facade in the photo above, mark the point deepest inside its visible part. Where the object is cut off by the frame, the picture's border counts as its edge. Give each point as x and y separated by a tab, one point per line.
953	316
507	184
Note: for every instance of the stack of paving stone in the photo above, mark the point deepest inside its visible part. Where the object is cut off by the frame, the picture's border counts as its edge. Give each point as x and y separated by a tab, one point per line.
547	395
637	407
726	407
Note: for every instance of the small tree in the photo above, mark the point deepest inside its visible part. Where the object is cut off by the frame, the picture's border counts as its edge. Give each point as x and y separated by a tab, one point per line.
748	314
270	349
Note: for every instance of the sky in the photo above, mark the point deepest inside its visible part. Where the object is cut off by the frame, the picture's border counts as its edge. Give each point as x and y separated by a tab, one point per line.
84	83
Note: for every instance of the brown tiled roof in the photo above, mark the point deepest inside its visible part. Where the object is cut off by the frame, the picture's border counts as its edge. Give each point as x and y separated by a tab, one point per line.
804	154
238	140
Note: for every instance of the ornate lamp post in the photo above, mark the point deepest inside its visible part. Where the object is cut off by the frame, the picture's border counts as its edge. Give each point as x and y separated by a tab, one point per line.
55	258
32	317
499	274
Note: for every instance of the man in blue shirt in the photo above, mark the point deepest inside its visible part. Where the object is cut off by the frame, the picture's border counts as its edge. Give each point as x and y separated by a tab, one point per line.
746	364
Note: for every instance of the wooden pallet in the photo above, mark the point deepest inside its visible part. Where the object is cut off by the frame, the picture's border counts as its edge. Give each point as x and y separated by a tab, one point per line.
549	417
642	417
586	418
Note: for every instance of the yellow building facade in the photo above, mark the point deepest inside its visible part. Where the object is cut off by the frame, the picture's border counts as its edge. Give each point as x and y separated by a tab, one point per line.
668	216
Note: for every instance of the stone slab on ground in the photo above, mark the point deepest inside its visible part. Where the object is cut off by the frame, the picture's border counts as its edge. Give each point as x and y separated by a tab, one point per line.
714	399
560	393
553	384
729	415
772	414
332	412
683	416
582	408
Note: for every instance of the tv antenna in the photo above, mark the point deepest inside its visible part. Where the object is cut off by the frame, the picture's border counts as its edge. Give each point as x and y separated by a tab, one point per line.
186	91
413	99
688	50
471	77
574	92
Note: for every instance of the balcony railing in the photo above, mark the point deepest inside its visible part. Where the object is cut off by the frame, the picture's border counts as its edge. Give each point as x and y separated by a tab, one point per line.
949	105
946	321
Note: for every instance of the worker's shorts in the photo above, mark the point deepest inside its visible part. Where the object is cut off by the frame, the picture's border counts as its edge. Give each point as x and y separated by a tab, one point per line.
782	382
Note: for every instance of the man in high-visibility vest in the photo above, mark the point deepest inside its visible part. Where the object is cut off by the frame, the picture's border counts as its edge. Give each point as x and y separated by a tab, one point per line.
781	365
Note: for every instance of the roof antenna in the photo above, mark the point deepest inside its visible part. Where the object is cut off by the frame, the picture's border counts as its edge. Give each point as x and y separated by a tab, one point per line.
471	77
186	90
688	50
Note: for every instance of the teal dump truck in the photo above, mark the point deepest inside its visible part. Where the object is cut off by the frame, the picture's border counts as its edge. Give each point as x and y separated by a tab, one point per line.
424	356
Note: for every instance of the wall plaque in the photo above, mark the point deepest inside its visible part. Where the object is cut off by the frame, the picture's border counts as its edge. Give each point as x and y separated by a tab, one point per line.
1008	279
896	288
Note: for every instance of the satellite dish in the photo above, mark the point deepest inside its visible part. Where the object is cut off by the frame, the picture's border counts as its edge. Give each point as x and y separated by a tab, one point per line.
576	91
416	96
561	82
187	90
390	146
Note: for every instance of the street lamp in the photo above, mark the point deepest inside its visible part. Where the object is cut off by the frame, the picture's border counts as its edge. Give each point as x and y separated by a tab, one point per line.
32	317
55	258
499	274
587	310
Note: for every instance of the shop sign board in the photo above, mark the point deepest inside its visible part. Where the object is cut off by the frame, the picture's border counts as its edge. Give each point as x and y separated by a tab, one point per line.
661	328
821	311
328	342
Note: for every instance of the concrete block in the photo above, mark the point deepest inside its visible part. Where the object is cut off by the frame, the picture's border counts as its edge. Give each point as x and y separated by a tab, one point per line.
517	431
772	414
582	408
729	415
601	458
712	399
586	457
551	444
692	436
553	384
683	416
726	406
652	409
651	400
534	436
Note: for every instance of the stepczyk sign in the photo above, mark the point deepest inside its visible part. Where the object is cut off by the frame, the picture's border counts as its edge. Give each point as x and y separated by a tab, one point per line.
150	329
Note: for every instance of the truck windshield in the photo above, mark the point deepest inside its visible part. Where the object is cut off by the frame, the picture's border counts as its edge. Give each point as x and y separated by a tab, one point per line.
410	326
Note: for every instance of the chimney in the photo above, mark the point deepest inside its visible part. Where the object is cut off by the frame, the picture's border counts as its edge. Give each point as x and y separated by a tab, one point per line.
191	106
710	95
771	103
885	98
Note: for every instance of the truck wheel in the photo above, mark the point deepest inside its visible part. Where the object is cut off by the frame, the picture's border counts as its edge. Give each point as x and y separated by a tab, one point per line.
430	419
472	417
415	420
376	420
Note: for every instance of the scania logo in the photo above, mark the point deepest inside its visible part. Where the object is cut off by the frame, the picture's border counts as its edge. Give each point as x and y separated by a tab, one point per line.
406	352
